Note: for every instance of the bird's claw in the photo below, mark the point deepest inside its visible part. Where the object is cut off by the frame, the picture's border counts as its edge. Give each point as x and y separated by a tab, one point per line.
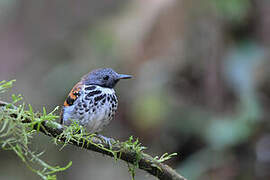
106	140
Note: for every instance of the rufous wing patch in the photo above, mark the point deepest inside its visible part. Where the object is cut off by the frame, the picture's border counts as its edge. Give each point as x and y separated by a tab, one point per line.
71	98
73	94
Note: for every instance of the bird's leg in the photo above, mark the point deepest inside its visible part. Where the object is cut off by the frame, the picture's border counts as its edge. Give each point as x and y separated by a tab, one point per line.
105	139
80	131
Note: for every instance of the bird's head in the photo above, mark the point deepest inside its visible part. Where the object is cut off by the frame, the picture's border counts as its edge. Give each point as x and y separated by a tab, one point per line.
105	77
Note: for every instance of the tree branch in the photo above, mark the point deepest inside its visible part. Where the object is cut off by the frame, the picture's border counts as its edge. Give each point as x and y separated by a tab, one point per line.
146	162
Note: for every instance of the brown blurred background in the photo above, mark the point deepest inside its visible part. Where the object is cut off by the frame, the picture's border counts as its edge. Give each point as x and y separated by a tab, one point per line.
201	86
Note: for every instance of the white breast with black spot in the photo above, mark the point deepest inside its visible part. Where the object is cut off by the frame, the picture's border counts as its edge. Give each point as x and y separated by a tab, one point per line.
94	109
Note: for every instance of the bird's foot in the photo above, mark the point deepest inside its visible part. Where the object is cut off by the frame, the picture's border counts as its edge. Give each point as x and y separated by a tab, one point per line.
105	139
78	131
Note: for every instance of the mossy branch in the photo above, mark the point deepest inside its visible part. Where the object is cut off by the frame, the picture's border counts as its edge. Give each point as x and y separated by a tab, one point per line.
146	162
18	125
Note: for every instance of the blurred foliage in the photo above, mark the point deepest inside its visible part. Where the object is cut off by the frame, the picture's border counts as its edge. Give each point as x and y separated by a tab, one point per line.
233	10
201	76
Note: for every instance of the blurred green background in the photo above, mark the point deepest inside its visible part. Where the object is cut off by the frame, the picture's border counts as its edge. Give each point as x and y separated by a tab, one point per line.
201	86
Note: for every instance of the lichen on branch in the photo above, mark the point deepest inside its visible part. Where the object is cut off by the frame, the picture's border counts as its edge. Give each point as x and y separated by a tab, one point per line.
18	126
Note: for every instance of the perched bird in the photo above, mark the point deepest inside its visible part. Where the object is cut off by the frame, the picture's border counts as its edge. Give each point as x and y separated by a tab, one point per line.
92	101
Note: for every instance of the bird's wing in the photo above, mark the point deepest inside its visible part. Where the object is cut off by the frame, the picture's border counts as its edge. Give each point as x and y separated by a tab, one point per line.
73	94
71	98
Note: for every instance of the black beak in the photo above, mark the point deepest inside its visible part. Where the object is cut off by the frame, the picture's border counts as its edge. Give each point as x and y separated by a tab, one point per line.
124	76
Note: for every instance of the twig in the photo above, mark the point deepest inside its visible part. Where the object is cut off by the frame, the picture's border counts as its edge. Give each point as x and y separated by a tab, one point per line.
146	162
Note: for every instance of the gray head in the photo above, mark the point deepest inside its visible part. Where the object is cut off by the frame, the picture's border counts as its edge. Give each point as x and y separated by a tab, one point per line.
105	77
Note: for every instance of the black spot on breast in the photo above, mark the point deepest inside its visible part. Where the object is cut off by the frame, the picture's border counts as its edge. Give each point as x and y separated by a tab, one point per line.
98	98
95	104
90	88
94	109
79	104
114	98
108	98
92	93
87	98
84	105
86	110
103	101
113	105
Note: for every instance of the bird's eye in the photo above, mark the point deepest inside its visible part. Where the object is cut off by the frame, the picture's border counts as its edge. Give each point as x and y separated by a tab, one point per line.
106	77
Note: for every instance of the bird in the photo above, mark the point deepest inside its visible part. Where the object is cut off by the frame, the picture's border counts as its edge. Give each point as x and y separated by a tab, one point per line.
92	102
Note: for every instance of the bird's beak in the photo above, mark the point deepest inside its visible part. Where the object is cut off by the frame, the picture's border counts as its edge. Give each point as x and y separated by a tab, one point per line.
124	76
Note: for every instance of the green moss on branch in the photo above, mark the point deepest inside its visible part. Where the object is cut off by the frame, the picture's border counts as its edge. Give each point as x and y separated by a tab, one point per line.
18	125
